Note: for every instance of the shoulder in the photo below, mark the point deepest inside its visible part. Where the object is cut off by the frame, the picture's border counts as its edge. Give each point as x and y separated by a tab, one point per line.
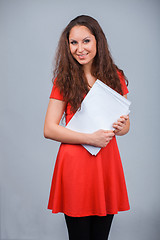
55	93
122	81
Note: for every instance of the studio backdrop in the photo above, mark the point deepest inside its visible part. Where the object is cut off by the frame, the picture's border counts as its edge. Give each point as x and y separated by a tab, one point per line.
30	31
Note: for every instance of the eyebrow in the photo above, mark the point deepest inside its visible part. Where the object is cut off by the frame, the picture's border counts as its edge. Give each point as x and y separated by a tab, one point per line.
82	39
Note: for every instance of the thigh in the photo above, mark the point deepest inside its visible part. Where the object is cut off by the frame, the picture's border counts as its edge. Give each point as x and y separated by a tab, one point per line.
100	227
78	227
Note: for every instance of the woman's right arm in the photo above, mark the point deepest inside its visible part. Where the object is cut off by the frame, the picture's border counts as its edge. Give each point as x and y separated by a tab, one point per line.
54	131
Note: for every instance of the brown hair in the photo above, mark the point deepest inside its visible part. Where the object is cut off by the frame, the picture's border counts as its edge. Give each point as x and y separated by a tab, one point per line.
71	79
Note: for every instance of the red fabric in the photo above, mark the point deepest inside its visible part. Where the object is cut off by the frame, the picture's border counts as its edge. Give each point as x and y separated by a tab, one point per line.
123	84
83	184
55	93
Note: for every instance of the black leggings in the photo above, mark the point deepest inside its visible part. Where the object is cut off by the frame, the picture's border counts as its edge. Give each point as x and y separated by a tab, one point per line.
89	227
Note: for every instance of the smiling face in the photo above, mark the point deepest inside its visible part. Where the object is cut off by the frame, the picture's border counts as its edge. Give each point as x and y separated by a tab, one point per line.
82	45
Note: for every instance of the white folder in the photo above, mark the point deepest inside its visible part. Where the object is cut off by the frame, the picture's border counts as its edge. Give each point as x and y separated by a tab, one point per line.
101	107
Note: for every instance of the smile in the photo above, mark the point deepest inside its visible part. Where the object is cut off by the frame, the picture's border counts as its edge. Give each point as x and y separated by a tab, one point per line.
82	54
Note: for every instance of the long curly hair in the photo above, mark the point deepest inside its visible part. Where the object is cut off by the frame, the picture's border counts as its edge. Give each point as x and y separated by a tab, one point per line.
69	74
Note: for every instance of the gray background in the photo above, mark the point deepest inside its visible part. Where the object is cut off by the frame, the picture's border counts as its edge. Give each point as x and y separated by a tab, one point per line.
29	34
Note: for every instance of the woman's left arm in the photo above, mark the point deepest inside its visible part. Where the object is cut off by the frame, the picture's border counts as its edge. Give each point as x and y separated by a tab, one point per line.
122	125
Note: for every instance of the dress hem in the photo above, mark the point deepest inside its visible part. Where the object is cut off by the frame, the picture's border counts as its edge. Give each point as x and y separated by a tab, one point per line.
87	214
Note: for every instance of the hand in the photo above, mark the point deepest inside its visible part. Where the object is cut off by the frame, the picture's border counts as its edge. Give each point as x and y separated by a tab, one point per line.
101	137
120	124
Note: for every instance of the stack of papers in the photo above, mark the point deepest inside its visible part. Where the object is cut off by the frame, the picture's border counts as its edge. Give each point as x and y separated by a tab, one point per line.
101	107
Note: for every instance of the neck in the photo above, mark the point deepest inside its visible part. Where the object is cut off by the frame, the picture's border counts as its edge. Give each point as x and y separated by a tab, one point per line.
87	69
90	79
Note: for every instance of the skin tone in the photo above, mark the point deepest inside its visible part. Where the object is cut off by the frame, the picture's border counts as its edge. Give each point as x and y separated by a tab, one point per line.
83	48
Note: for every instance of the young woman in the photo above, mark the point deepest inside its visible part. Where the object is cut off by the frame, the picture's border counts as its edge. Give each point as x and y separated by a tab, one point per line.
88	189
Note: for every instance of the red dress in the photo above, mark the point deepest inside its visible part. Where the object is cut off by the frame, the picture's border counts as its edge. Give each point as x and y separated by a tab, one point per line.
84	184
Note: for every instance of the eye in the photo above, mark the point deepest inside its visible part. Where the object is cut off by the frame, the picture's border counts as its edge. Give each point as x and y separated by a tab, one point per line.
73	42
86	40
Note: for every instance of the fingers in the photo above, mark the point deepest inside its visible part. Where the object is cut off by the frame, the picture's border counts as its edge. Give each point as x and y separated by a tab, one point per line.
121	122
123	118
109	136
118	124
103	137
118	127
109	132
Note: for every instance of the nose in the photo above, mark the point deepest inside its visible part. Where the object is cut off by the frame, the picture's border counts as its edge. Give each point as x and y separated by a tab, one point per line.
80	47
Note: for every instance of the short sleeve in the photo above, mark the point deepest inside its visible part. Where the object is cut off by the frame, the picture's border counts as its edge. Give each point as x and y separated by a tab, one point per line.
55	93
123	84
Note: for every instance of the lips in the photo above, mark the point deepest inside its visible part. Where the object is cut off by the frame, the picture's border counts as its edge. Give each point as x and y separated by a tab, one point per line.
82	56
